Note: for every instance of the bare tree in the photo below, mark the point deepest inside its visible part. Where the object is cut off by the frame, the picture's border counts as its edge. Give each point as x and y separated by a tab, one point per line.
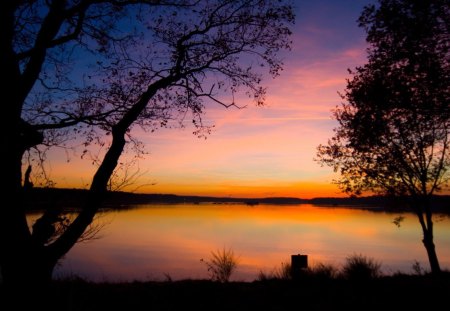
40	42
170	64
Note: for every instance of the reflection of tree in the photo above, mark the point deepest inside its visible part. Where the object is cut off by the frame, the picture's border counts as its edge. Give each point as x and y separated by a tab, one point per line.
176	57
393	133
51	225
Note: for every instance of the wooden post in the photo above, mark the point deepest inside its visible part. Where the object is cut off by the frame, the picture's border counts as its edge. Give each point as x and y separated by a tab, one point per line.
298	263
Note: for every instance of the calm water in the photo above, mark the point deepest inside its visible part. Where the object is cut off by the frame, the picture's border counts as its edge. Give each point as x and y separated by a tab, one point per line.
152	242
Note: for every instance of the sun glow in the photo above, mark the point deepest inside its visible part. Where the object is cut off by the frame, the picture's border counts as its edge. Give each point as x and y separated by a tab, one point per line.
254	151
152	240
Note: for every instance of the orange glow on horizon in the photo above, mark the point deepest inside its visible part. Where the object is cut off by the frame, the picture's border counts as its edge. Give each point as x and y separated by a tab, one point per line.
303	190
257	151
171	239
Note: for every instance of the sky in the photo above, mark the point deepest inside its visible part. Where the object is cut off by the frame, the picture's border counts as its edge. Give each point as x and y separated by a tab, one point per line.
258	151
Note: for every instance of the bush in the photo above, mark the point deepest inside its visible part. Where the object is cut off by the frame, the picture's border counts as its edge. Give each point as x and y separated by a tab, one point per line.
324	271
359	267
221	265
417	268
284	272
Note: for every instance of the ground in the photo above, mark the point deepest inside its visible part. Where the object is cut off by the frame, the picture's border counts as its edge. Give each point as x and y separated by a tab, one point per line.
401	292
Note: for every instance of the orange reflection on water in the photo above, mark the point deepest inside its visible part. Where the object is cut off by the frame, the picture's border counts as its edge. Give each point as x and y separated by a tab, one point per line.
155	241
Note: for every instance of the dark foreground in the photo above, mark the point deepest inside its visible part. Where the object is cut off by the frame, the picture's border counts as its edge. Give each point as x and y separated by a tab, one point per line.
401	292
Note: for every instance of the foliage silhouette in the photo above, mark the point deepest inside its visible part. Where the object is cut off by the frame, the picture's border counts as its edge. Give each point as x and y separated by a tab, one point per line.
221	265
283	272
147	63
360	268
393	132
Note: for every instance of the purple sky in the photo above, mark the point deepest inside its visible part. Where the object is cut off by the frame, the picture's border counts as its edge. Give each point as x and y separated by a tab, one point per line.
259	151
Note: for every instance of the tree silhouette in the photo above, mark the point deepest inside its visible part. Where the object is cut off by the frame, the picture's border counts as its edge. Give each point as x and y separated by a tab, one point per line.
393	133
153	62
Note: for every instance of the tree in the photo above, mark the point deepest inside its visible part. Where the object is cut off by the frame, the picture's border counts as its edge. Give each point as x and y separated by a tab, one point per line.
393	133
172	57
38	40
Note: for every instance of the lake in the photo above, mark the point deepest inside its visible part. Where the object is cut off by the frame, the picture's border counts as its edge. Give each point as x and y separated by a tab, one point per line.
158	242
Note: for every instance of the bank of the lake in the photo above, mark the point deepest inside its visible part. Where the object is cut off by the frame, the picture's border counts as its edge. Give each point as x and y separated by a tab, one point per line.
43	198
400	292
150	241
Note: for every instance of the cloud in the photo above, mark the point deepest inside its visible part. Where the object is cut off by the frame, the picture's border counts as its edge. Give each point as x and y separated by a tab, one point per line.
270	149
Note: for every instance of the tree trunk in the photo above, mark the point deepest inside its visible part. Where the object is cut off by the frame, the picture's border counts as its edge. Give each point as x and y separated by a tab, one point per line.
423	211
33	270
30	278
431	252
23	260
14	233
99	184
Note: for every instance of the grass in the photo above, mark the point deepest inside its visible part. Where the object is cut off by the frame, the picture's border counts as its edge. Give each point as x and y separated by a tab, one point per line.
221	265
358	285
399	292
360	267
356	268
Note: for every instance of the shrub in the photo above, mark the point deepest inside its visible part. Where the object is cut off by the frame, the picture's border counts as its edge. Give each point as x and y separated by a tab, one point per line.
417	268
359	267
324	271
221	265
284	272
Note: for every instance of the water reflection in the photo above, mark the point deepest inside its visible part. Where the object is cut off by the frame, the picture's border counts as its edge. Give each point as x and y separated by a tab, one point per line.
152	242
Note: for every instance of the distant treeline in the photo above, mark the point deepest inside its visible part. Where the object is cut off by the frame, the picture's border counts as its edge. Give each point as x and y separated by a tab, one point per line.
43	198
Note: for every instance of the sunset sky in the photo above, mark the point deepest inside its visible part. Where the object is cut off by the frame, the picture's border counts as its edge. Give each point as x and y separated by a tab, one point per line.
258	151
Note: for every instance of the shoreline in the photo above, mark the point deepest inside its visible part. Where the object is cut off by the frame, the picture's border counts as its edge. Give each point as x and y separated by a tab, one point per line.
42	198
311	293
